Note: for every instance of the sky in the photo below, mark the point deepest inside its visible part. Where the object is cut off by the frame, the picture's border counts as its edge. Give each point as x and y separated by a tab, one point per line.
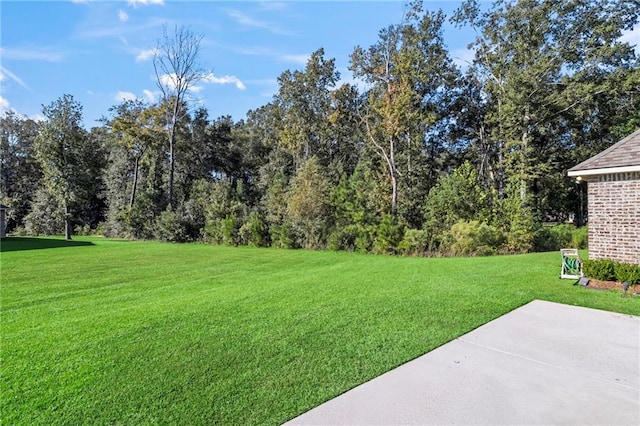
101	52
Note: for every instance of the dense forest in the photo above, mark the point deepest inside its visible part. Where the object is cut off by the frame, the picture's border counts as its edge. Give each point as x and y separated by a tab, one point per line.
423	157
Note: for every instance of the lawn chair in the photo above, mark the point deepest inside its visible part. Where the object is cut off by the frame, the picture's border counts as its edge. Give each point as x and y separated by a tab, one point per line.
571	264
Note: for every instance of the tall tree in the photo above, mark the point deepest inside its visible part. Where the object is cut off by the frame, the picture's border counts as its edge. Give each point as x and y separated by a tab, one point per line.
305	100
19	171
177	70
59	150
410	73
550	75
133	127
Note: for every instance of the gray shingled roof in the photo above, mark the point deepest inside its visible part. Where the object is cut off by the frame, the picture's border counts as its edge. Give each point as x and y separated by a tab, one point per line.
622	154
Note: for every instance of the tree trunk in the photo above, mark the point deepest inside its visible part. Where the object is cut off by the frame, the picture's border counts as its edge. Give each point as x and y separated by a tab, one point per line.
67	223
394	177
172	136
135	182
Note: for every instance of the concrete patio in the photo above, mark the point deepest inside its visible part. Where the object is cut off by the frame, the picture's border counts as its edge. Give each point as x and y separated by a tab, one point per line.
544	363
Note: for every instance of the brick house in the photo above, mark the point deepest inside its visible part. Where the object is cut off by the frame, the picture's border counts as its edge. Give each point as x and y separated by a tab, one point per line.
613	200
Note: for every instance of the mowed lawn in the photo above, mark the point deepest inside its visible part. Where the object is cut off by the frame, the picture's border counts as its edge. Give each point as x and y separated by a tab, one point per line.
120	332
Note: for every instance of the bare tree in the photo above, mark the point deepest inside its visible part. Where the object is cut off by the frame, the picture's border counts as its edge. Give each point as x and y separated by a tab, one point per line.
177	69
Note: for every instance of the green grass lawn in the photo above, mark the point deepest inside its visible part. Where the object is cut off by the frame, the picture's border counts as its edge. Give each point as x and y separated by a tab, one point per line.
118	332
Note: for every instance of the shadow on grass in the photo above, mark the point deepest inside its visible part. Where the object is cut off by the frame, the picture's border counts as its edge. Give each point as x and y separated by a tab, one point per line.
22	243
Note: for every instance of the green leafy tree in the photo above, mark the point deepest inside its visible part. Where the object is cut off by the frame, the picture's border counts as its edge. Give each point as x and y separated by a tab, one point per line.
308	203
549	75
456	197
410	72
60	148
135	164
19	171
305	100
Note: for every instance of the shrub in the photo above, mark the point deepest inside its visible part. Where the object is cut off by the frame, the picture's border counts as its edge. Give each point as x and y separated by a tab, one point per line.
365	236
230	231
580	237
343	238
415	242
600	269
19	231
254	231
626	272
388	236
554	238
475	238
213	231
46	217
82	230
171	226
142	220
285	236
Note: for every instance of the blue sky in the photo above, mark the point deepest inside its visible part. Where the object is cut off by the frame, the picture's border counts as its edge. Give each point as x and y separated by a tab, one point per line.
100	52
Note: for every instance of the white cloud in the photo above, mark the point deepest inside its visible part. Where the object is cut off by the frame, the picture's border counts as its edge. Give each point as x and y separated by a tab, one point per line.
248	21
632	37
136	3
169	80
150	96
122	16
296	59
31	54
145	55
226	79
6	73
125	96
4	105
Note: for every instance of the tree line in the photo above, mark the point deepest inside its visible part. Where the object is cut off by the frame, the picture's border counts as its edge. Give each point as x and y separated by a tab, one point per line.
423	157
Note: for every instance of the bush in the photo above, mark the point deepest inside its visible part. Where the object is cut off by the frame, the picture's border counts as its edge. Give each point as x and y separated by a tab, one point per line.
46	217
213	231
365	236
560	236
19	231
600	269
552	238
230	231
388	236
626	272
580	237
142	220
415	242
285	236
82	230
254	231
343	238
475	238
171	227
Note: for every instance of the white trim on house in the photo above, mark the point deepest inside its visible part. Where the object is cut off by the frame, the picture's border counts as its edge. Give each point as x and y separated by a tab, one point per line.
608	170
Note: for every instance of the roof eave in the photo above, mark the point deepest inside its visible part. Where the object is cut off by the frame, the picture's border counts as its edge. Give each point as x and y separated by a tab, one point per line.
604	171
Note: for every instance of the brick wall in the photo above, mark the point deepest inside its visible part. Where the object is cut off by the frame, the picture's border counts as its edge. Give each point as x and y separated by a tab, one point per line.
614	217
